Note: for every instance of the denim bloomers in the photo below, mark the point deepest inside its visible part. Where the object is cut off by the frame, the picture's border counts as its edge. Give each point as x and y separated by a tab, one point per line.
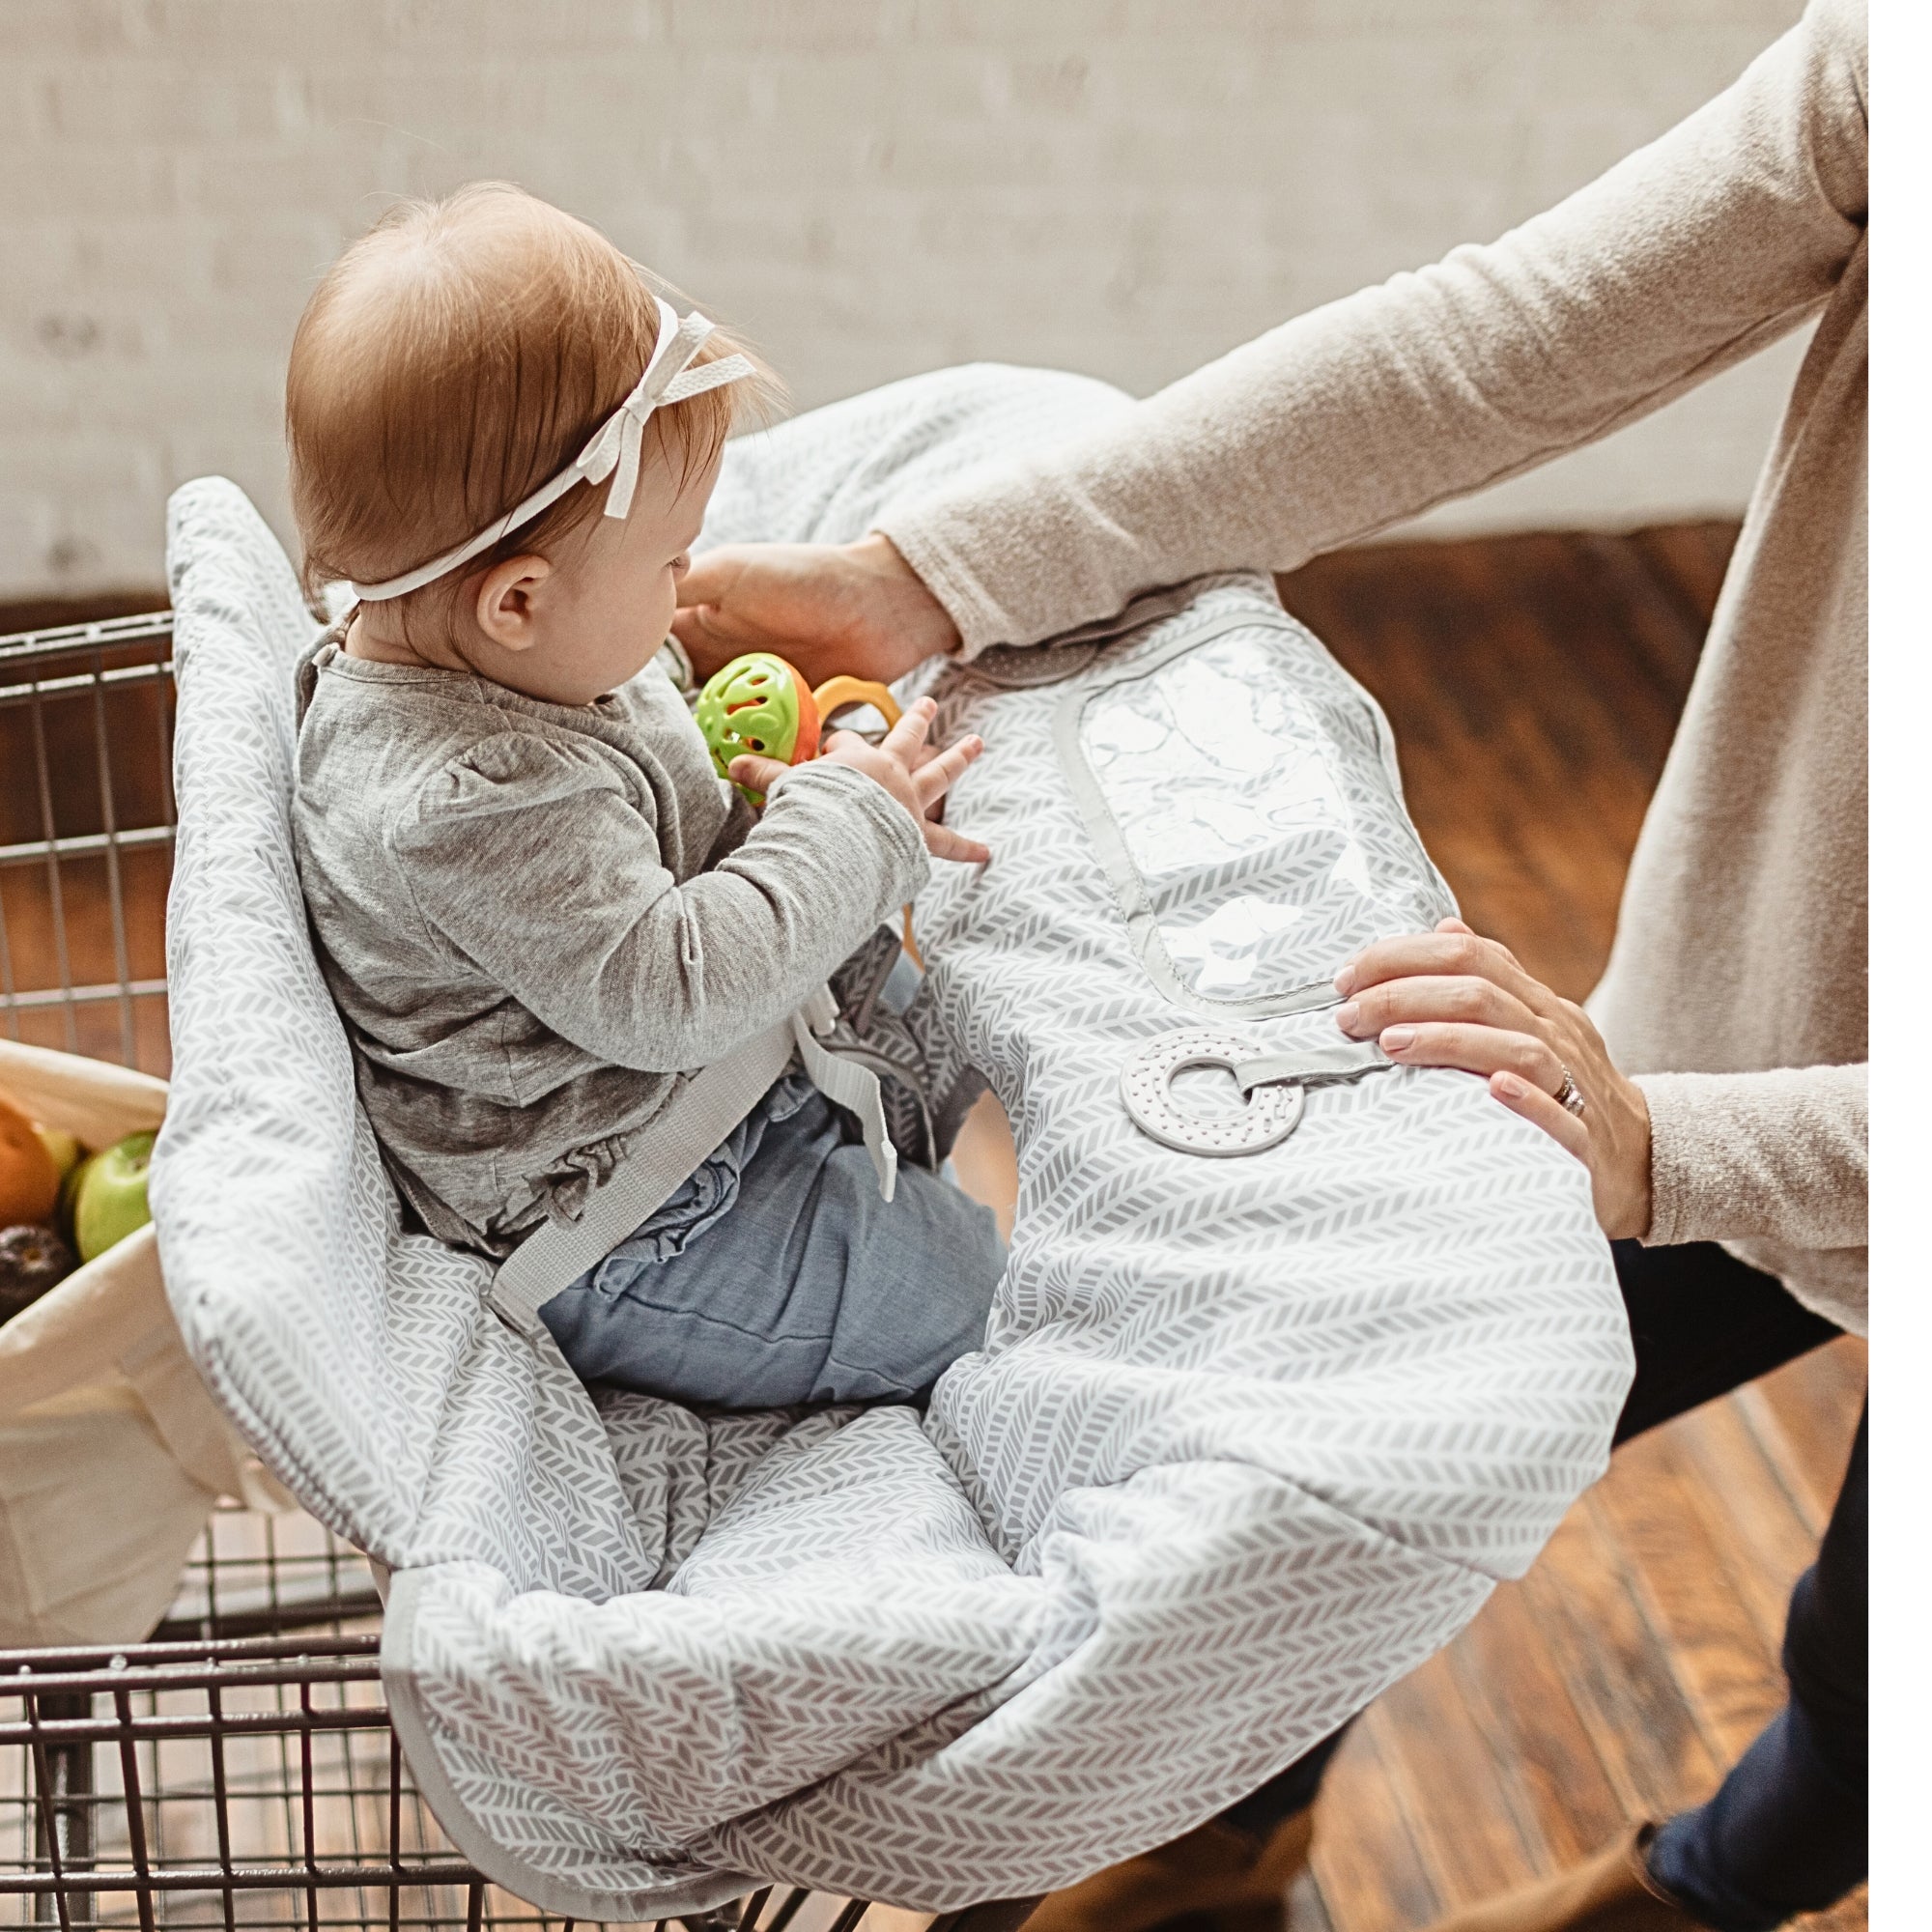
775	1274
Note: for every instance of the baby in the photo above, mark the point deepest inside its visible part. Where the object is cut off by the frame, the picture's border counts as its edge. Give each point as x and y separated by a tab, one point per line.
535	903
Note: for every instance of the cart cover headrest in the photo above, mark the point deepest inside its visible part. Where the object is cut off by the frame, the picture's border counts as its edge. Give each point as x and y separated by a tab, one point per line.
1249	1438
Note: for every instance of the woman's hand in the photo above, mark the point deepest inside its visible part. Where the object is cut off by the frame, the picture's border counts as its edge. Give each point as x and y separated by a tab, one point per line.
1448	998
914	772
855	607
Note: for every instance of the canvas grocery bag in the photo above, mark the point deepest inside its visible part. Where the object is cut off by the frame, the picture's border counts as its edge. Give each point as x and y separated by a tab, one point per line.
111	1452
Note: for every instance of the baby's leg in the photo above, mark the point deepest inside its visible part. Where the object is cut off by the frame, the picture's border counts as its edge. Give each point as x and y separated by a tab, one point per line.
908	1283
811	1288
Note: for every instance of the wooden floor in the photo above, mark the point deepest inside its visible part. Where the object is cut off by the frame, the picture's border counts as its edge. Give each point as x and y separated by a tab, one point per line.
1534	684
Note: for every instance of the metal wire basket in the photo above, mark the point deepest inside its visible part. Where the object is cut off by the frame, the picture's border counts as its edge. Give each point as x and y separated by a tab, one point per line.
86	830
238	1771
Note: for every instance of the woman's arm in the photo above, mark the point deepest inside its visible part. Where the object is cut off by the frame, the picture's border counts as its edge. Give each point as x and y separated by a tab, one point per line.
1682	260
1781	1156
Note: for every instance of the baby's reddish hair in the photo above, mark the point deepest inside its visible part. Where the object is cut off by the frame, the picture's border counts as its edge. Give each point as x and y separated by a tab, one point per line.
456	357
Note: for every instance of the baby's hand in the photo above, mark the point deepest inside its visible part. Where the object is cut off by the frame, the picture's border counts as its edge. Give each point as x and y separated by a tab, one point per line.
915	774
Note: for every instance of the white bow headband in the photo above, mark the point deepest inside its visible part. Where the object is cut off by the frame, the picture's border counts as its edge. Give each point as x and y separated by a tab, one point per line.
617	445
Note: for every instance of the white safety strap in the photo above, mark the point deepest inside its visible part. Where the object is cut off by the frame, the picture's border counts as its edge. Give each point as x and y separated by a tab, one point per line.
853	1087
688	1131
616	447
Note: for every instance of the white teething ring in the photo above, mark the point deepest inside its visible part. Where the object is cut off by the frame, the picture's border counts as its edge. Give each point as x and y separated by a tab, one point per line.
1147	1087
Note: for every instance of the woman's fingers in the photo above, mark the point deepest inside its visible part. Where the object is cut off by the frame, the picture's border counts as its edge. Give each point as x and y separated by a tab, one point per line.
740	598
706	644
1451	951
1476	1049
1473	1001
1464	954
1541	1110
1450	998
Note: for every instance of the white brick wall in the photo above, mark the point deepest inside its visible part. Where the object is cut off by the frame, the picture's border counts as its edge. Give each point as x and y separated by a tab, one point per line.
869	187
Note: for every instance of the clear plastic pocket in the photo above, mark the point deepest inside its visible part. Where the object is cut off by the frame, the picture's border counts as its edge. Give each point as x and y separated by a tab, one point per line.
1248	815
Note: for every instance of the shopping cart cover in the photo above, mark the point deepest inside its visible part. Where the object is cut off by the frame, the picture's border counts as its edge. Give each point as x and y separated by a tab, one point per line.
1249	1438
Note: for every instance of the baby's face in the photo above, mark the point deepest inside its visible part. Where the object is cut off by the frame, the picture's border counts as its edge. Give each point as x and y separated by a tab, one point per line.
605	607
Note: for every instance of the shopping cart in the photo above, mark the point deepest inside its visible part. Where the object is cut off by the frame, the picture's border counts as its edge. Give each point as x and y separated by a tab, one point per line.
237	1770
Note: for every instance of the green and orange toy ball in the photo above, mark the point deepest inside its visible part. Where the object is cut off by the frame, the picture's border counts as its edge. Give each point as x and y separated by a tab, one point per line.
757	706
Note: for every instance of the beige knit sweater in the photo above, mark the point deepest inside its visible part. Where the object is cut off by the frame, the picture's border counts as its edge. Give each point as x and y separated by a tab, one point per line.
1737	985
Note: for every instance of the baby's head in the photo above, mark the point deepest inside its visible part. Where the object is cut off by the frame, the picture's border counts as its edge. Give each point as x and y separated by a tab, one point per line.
454	360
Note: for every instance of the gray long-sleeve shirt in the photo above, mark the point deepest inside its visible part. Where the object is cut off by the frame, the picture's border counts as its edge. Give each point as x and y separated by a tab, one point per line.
536	918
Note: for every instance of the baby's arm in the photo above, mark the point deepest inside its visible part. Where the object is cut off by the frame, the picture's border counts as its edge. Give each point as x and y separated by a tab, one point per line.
528	859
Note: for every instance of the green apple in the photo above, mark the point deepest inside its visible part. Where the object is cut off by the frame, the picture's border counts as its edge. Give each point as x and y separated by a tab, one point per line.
110	1195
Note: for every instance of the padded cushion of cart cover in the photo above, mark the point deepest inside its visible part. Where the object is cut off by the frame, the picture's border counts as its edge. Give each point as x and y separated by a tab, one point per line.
1249	1438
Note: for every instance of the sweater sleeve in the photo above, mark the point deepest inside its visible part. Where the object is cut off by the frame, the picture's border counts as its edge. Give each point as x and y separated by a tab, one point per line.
528	861
1682	260
1779	1156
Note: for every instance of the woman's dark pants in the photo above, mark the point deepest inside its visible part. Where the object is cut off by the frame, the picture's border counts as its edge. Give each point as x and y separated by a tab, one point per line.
1785	1831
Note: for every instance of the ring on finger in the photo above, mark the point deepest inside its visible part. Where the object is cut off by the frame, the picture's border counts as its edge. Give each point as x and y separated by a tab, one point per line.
1566	1095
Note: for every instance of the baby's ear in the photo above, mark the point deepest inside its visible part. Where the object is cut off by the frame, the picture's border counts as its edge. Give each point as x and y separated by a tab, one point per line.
505	599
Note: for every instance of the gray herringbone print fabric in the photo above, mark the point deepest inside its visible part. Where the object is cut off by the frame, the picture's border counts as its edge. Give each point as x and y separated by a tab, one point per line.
1248	1439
